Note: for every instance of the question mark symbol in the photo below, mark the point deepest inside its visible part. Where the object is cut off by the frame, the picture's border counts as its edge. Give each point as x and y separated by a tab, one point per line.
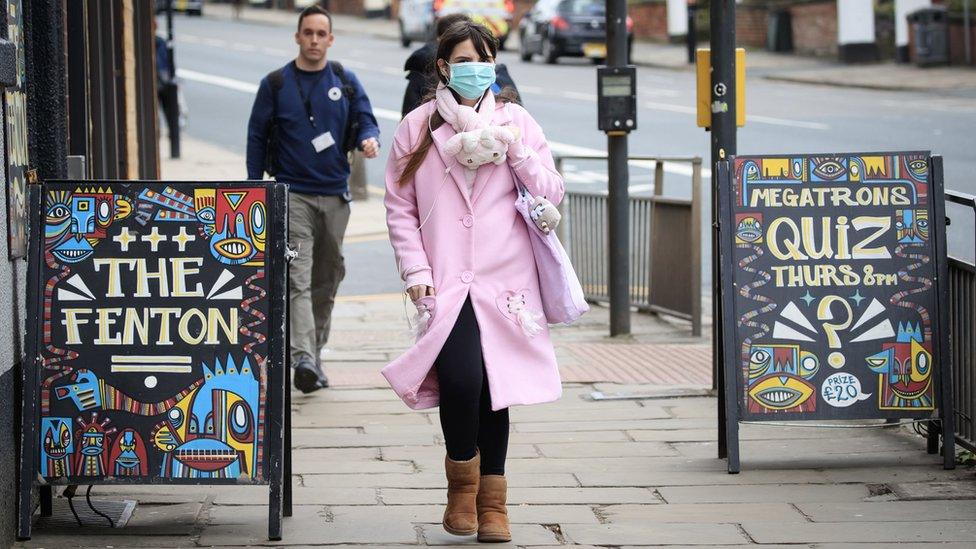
835	359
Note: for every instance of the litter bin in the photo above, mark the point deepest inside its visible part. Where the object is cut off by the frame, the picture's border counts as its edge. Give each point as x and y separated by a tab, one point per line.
779	31
930	36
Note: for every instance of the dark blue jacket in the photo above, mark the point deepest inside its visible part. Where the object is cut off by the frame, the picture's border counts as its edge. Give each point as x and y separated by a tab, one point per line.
306	171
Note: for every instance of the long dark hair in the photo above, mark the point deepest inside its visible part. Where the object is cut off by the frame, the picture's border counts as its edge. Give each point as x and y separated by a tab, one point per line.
486	45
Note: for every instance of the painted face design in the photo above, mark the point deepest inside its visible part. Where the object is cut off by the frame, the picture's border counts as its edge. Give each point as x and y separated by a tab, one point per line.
56	447
779	379
205	206
912	226
93	437
749	230
905	372
128	456
240	228
827	168
211	433
75	222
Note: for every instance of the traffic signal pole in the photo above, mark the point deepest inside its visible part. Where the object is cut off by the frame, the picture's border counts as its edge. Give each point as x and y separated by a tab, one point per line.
723	130
618	249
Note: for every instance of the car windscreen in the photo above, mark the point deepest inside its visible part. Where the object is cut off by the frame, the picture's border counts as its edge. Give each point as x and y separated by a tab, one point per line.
582	7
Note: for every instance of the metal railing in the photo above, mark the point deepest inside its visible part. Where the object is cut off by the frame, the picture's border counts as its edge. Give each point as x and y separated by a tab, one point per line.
665	242
962	330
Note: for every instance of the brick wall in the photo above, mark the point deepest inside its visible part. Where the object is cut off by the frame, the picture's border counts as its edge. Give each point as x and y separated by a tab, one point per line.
815	28
650	20
750	26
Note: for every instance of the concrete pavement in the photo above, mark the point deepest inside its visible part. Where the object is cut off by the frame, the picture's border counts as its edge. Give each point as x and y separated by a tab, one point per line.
633	472
774	66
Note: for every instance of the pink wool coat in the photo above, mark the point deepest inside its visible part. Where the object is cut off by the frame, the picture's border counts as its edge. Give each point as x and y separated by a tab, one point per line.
477	246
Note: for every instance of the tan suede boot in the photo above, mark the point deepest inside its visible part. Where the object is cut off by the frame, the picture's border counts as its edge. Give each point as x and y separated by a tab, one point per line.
492	515
461	514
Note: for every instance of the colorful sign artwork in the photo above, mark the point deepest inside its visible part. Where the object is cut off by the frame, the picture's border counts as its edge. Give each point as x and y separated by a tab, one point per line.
153	341
15	134
833	271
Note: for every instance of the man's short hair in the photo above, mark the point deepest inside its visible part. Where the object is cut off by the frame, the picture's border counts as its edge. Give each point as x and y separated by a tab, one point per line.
314	9
444	22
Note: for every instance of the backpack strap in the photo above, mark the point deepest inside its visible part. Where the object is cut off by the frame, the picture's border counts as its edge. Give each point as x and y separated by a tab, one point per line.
348	89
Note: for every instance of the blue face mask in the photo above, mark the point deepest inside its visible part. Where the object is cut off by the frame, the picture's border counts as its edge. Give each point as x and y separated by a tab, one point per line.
471	80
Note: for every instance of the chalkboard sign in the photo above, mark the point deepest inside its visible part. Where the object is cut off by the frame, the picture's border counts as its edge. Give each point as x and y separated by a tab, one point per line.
156	333
831	287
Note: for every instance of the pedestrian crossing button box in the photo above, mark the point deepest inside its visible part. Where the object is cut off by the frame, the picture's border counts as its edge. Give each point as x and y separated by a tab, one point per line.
617	98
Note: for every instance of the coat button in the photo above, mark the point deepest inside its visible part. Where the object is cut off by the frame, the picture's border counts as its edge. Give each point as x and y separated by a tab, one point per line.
467	221
467	277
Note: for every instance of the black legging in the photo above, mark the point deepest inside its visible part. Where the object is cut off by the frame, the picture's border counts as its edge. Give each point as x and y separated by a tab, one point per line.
467	420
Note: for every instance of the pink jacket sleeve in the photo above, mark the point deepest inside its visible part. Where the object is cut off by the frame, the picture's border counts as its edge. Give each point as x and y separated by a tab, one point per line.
531	158
402	215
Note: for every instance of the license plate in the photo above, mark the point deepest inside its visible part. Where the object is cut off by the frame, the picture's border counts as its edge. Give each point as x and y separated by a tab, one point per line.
595	49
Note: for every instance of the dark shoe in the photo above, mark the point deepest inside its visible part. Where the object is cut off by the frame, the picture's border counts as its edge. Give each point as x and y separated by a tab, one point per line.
306	378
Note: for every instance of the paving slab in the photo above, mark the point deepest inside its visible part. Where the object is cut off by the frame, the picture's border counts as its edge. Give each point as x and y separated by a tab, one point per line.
896	511
103	540
305	496
428	479
525	534
606	449
877	532
789	493
309	526
563	437
529	496
605	425
429	513
703	513
311	438
657	534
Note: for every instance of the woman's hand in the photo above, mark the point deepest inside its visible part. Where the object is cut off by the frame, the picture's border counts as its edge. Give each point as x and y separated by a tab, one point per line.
515	131
419	291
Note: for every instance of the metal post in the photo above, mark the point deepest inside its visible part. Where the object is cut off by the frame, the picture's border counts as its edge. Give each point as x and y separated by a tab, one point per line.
617	198
658	178
722	17
170	91
966	31
691	38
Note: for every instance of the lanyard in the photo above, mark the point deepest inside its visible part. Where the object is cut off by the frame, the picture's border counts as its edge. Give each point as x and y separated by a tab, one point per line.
307	101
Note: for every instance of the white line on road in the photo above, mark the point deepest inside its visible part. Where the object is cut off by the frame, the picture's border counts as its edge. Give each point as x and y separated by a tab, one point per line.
229	83
394	116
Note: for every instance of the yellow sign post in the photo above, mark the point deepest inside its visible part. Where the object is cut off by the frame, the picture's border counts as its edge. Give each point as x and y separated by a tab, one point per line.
703	69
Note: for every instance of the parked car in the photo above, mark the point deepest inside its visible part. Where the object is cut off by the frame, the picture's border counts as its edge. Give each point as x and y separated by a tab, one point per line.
577	28
190	7
417	17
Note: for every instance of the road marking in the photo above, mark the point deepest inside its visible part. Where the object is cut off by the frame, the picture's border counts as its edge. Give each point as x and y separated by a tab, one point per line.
229	83
557	148
243	47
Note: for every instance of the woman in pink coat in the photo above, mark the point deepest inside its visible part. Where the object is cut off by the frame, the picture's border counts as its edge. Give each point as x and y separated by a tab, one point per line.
464	254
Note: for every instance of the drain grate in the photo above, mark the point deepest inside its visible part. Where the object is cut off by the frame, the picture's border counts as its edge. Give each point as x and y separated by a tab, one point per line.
62	519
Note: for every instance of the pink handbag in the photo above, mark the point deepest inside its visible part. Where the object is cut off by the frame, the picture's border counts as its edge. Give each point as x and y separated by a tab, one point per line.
559	287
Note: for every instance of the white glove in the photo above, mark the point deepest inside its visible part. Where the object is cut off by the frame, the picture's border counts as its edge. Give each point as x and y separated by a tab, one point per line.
545	214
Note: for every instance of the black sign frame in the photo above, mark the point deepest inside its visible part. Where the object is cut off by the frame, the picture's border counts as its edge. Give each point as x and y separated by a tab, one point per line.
732	390
275	463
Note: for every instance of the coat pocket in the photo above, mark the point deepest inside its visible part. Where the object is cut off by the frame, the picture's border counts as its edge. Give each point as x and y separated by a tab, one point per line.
513	305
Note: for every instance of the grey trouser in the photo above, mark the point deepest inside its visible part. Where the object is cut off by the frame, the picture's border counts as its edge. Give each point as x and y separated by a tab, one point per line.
317	225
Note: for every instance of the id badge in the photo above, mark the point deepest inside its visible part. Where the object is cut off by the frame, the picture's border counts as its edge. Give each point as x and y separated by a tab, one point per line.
323	141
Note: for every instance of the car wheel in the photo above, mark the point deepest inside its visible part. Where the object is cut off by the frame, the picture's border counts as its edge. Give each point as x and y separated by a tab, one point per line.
404	39
549	51
599	60
501	42
196	13
524	52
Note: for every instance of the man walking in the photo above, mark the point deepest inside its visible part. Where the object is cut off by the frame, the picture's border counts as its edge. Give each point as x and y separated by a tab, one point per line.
306	117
